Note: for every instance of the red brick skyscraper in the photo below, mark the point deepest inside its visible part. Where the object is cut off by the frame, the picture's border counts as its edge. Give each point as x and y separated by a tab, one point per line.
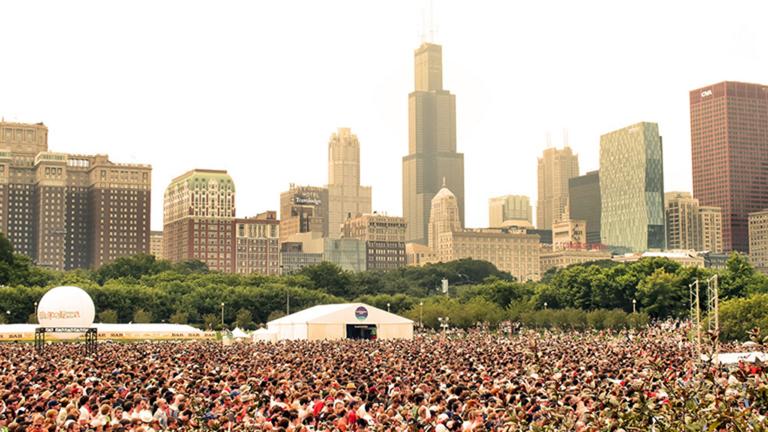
729	147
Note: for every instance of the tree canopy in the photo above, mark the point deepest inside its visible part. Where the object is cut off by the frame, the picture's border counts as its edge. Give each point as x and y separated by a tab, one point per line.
143	288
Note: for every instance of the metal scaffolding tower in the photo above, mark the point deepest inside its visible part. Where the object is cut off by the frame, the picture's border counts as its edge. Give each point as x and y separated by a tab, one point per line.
695	310
91	338
713	313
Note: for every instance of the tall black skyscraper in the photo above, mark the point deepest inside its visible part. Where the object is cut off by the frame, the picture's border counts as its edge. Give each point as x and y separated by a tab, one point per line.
432	161
584	202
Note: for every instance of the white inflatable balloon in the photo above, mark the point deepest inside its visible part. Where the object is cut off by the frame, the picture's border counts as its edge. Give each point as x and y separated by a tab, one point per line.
66	306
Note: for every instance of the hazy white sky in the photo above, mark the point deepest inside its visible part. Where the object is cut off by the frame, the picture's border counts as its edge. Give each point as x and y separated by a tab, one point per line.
257	88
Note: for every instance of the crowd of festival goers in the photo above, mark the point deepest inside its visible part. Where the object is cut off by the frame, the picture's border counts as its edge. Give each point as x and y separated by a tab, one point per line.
650	379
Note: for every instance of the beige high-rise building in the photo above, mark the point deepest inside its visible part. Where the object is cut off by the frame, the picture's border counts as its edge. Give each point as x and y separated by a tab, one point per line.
156	244
432	159
683	227
556	167
691	226
198	219
444	217
346	198
510	209
69	211
258	248
758	240
711	223
384	238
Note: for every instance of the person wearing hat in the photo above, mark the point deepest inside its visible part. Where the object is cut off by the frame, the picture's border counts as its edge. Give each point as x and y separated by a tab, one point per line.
71	425
145	416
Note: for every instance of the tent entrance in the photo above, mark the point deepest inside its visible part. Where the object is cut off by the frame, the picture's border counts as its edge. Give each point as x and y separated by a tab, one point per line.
361	331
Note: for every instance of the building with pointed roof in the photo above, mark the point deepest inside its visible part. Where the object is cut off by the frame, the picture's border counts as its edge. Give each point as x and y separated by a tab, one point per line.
443	217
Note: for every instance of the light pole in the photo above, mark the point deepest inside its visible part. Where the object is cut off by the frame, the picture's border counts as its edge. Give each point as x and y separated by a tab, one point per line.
421	314
9	316
222	315
545	305
387	307
36	313
634	306
287	301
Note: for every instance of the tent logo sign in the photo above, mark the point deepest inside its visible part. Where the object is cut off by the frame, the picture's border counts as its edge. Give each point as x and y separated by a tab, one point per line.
361	313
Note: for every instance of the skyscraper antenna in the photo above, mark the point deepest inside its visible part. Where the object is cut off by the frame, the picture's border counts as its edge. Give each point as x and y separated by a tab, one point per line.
428	30
431	21
423	25
565	138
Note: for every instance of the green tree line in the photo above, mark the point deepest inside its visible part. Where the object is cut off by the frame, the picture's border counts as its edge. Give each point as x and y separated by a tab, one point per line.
598	294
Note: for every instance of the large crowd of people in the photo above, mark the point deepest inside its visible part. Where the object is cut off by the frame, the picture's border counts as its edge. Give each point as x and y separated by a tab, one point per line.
477	381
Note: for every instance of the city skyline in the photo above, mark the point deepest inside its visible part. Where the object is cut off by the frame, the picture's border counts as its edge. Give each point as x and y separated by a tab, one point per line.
170	100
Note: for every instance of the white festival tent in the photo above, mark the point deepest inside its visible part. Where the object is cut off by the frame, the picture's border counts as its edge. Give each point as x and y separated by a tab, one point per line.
735	358
238	333
339	321
264	335
113	331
